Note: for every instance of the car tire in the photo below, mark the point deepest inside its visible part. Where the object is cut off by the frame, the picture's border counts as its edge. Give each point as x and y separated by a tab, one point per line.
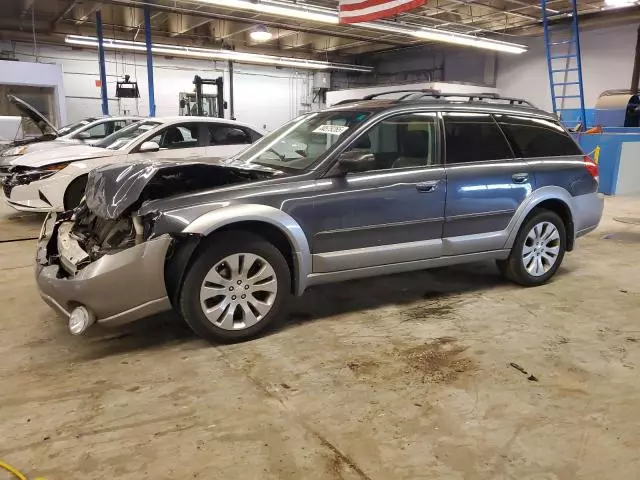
538	250
237	285
74	193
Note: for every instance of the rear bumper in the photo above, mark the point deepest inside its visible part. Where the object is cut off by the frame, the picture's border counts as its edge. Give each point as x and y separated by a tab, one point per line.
587	212
117	288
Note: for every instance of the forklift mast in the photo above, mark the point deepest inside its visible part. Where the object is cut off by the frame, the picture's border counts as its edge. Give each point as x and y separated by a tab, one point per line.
218	82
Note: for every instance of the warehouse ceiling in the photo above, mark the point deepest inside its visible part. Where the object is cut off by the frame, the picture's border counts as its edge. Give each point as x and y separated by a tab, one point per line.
206	23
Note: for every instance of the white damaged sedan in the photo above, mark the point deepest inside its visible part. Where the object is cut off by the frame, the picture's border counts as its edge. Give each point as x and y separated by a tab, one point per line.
55	180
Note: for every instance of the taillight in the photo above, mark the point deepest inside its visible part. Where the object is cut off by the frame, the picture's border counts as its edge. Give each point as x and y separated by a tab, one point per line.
592	167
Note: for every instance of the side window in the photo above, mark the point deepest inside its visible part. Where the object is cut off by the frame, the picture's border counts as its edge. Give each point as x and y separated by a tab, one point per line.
403	141
96	132
536	137
474	137
221	134
117	125
178	136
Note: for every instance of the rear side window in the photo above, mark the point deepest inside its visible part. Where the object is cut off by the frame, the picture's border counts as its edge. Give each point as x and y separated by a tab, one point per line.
474	137
228	135
535	137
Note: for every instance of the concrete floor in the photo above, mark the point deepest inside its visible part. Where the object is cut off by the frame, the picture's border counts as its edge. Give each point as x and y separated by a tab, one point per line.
402	377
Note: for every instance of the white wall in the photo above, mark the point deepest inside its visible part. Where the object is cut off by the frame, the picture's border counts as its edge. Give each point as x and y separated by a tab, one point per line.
36	75
607	63
264	97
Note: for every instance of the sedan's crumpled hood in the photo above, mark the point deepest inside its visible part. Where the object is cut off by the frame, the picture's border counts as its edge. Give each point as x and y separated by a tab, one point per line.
112	189
65	153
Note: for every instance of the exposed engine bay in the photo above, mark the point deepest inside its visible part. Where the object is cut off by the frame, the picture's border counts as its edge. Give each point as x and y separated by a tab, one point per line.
98	236
107	222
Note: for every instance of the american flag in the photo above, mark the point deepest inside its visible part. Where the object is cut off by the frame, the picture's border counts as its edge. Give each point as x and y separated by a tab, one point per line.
354	11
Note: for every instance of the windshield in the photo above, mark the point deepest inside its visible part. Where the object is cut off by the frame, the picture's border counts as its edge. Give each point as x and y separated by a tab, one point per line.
118	140
298	144
75	126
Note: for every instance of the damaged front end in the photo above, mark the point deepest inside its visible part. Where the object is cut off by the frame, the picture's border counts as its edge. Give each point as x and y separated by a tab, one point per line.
105	263
110	275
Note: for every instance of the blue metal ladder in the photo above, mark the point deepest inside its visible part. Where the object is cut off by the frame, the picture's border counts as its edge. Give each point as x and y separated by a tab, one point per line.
565	66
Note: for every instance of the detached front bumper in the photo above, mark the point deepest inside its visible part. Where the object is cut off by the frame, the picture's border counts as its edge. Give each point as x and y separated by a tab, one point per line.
116	288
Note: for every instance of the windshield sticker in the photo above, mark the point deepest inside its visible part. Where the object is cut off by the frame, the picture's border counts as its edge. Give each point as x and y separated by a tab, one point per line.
331	129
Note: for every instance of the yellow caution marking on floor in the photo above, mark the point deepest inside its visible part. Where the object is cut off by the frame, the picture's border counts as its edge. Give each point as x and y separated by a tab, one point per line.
15	472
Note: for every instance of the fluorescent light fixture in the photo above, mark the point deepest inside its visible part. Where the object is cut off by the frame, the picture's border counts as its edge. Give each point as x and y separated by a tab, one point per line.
469	40
281	9
444	36
260	34
326	15
215	54
618	3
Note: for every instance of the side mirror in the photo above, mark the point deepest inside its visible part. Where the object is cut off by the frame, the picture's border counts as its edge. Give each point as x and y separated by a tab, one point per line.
149	147
83	135
354	161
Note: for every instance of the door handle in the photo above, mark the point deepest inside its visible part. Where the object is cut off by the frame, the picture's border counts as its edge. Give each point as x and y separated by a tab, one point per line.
427	187
520	177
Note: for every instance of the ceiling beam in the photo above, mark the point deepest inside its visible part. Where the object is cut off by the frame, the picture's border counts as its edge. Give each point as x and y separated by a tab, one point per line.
63	13
83	11
180	24
27	5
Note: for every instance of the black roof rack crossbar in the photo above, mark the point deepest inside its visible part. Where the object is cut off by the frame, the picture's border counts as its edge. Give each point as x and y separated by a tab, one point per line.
407	90
470	97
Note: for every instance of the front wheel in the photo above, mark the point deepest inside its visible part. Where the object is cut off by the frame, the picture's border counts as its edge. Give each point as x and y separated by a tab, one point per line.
238	285
538	250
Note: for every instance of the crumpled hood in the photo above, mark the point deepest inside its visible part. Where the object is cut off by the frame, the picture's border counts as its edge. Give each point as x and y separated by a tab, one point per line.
65	153
112	189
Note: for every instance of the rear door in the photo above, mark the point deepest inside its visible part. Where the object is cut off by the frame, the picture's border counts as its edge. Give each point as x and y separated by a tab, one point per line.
485	183
392	213
225	140
555	157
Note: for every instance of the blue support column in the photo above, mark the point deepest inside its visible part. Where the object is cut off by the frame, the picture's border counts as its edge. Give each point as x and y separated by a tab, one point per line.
147	39
103	71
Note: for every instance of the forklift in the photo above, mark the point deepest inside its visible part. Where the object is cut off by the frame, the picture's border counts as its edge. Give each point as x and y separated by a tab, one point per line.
204	104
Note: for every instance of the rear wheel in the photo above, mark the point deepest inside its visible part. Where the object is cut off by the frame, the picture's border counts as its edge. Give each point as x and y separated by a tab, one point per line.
75	192
538	250
238	285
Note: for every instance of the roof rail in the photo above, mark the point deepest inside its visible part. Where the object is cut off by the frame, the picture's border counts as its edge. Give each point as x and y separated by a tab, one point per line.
471	97
409	91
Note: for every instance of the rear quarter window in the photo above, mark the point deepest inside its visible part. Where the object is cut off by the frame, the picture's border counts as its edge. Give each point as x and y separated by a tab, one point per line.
537	137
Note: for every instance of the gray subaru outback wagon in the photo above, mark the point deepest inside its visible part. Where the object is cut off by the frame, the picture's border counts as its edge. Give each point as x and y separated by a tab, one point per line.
371	187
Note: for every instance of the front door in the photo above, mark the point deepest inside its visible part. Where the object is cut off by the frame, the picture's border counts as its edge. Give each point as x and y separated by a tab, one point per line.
392	213
182	141
485	184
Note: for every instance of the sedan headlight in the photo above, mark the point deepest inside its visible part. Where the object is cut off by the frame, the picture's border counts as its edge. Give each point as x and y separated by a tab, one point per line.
15	151
56	166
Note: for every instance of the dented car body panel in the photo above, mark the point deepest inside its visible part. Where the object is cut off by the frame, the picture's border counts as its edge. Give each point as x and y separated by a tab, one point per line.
104	286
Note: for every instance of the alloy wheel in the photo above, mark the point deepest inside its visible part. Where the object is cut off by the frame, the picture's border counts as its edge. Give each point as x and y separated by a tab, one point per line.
541	249
238	291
